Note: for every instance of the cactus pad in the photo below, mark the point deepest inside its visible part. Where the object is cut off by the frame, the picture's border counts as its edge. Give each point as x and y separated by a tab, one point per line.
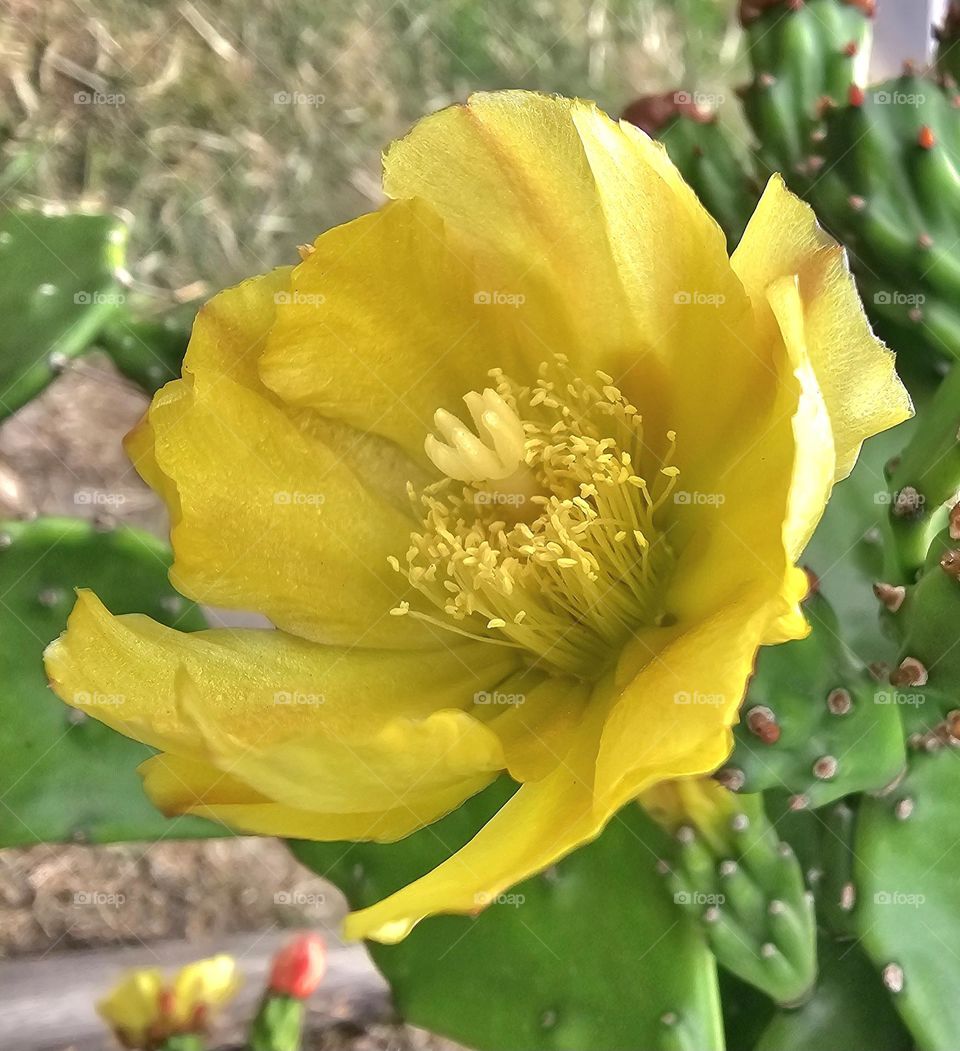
814	722
59	288
66	777
908	891
592	953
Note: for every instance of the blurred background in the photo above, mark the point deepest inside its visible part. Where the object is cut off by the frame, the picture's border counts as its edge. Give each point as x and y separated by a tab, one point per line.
222	133
234	129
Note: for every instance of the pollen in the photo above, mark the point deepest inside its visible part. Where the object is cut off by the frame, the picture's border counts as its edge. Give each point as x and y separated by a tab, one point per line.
545	531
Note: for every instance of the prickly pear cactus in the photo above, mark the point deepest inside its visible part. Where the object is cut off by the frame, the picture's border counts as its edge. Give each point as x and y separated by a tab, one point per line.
64	778
815	721
60	285
744	884
150	352
804	57
848	1010
908	895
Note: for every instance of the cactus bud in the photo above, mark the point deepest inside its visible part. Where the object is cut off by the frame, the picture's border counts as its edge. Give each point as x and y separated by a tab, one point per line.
299	967
297	970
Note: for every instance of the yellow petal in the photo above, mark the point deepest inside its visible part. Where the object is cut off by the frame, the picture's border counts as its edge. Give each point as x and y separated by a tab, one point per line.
201	987
312	727
260	504
621	267
853	369
383	326
537	719
257	498
132	1007
185	786
628	740
540	823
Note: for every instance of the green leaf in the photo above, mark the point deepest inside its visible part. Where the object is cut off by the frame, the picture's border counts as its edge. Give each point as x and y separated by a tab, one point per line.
59	287
591	954
63	776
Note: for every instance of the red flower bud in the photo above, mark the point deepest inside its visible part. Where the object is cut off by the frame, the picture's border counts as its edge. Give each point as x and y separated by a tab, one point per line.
299	967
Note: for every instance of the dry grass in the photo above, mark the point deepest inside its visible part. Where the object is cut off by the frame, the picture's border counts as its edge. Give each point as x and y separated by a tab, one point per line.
224	180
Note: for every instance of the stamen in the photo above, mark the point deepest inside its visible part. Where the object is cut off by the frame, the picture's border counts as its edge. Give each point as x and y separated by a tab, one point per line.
553	541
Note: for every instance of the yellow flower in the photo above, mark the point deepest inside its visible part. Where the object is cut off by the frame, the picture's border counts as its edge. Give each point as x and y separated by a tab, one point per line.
143	1010
132	1007
200	988
655	432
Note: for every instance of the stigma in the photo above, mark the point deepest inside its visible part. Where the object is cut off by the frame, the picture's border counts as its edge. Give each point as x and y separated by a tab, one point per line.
544	531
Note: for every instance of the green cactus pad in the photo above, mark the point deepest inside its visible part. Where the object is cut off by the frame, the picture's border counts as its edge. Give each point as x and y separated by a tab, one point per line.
889	191
592	953
720	175
908	893
65	777
59	288
812	723
150	352
846	553
746	887
848	1010
923	482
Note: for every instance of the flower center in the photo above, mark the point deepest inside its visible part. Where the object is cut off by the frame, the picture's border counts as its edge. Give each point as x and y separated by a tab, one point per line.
544	533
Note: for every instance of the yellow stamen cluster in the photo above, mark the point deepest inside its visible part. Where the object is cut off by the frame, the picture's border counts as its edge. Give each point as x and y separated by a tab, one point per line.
564	556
